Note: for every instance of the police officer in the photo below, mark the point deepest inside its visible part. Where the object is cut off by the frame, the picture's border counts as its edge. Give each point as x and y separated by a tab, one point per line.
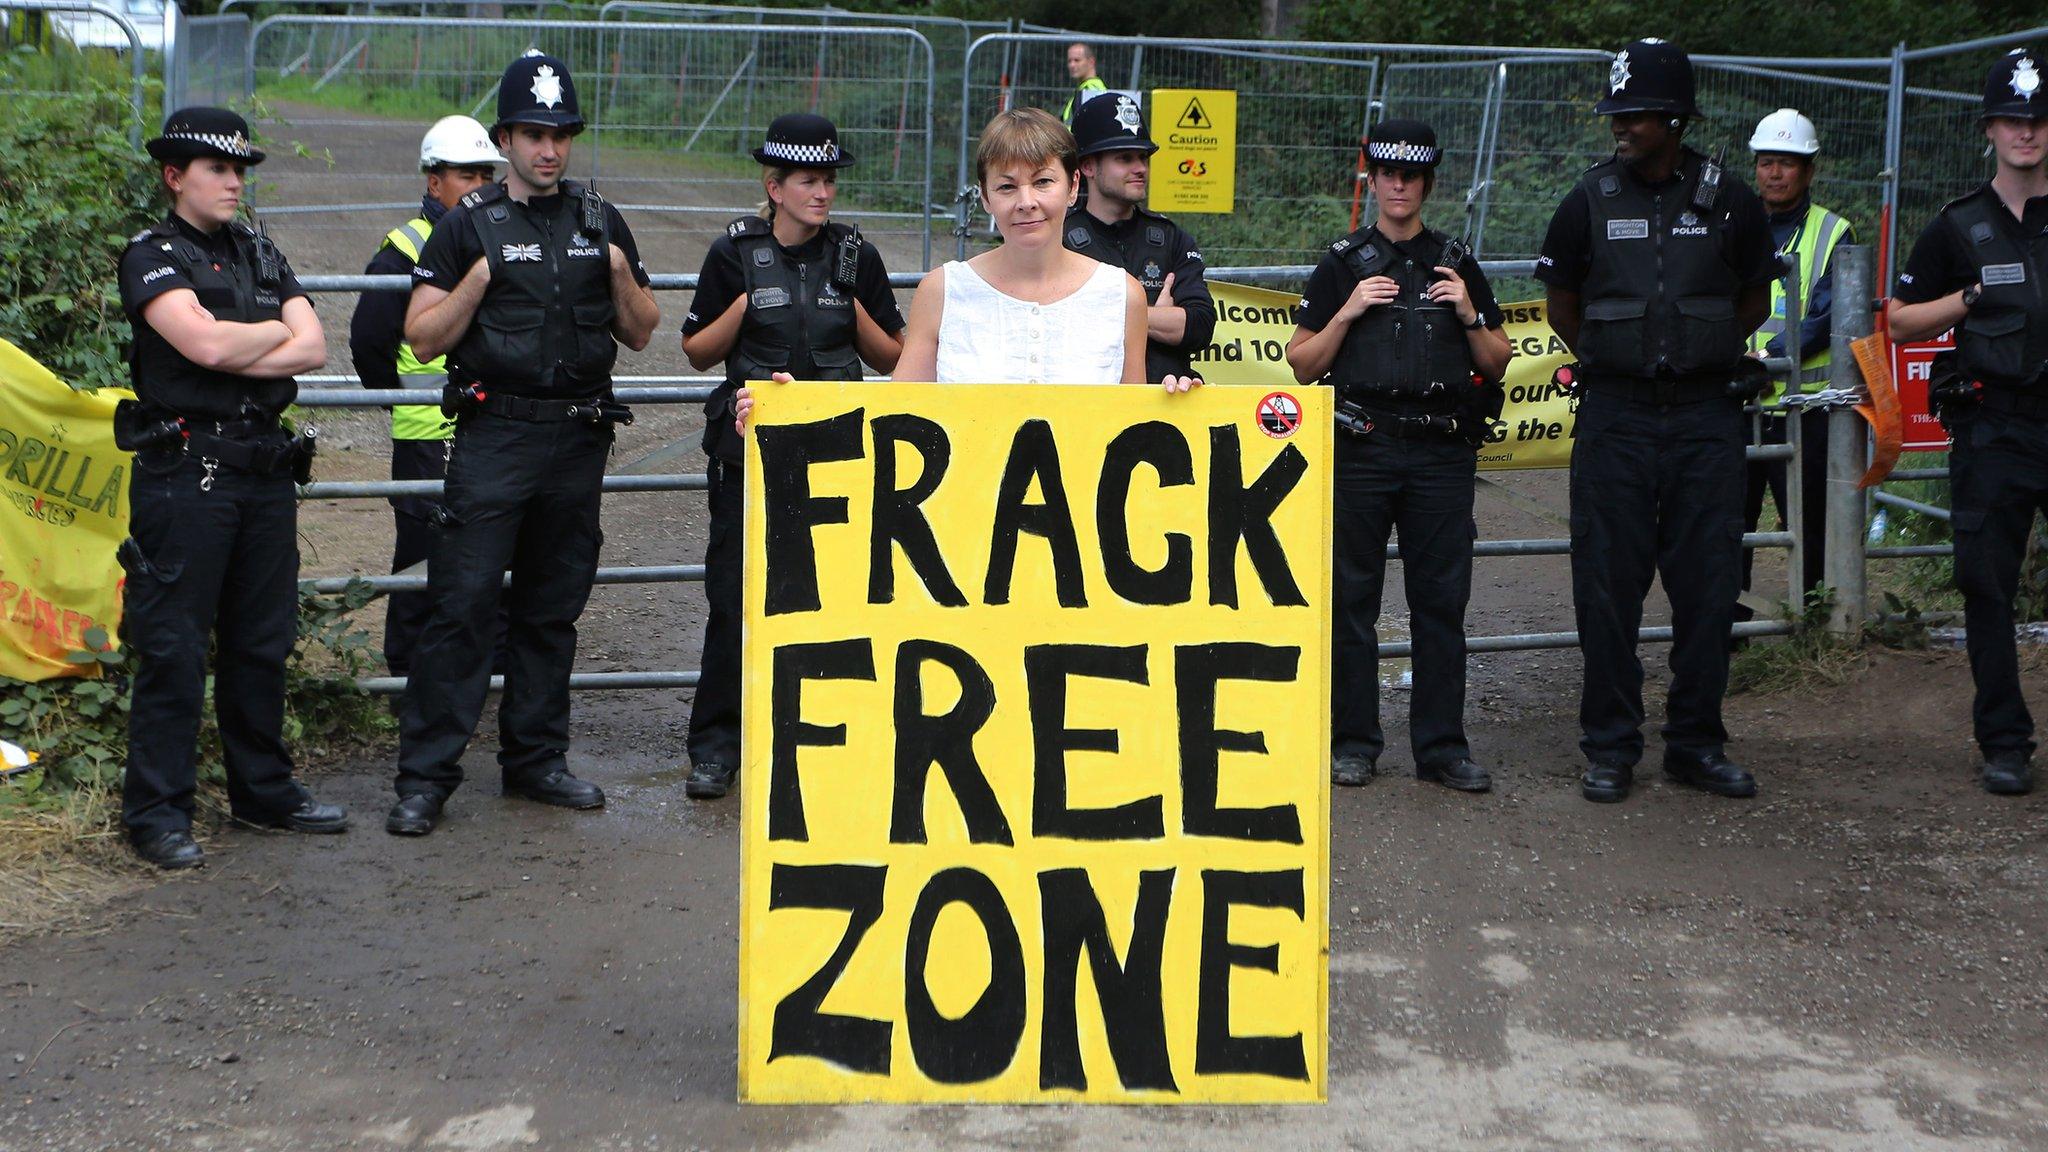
784	294
1400	320
528	286
221	326
1980	268
1113	225
1087	85
1658	267
458	158
1806	234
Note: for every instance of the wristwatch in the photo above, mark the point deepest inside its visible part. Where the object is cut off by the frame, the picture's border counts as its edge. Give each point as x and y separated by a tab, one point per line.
1478	322
1970	295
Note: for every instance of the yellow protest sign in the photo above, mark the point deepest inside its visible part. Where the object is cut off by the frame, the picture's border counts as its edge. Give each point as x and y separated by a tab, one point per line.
1037	731
63	512
1253	326
1195	169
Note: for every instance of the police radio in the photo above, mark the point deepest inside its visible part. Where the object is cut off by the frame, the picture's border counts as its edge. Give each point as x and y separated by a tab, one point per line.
1708	190
1454	254
269	261
846	268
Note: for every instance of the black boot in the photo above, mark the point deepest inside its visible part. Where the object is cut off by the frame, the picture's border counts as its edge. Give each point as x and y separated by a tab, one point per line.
1463	774
414	815
709	780
2006	774
558	788
1606	783
171	850
1712	772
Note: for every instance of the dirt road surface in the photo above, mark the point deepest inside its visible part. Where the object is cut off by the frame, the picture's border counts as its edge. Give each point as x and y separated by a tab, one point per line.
1853	961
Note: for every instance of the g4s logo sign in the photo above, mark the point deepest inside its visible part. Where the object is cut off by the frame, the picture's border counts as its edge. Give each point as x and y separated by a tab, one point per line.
1194	168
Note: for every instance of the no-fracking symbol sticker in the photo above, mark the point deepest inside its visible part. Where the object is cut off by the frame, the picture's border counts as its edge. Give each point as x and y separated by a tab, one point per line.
1279	415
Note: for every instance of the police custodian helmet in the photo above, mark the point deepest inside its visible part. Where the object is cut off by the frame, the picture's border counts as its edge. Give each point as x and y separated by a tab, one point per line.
1408	144
2013	86
537	90
1111	122
190	133
803	140
1649	75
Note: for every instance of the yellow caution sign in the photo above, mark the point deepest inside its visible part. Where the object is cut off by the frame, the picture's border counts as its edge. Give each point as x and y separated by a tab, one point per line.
1195	169
1037	745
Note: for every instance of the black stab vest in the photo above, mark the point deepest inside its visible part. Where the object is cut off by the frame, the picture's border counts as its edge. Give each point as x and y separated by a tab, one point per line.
1411	351
2003	339
1659	296
544	328
240	291
799	318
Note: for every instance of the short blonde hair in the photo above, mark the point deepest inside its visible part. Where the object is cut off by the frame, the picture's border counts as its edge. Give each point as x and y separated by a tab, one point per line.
1030	136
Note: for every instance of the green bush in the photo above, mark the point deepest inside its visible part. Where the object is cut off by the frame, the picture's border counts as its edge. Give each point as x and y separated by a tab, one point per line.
71	194
79	727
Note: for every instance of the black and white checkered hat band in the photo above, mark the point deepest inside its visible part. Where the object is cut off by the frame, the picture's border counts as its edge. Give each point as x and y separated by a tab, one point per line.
1394	152
234	145
827	153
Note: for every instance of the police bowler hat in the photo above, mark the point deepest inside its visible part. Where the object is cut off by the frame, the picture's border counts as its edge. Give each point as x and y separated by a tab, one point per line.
537	89
1649	75
190	133
803	140
2013	86
1408	144
1111	122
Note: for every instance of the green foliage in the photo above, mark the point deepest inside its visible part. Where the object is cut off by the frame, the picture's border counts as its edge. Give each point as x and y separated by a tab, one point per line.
79	727
323	706
1901	626
1812	657
71	194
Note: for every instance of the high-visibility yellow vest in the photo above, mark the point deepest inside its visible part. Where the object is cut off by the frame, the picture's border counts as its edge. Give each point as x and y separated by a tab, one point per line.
1087	91
1812	245
418	421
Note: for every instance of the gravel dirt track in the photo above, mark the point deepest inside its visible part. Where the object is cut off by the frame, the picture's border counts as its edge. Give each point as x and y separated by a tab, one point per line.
1855	960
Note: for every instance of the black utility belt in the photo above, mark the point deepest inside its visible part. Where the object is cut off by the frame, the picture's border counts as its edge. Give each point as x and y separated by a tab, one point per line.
2012	402
536	411
269	456
1358	420
458	399
1662	392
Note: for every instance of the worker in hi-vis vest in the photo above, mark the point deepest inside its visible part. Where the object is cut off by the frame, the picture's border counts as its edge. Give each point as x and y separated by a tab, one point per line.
457	156
1802	300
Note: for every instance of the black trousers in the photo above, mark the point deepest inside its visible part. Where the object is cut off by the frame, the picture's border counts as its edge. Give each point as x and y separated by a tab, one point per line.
1422	490
1769	477
1998	477
1656	490
405	613
220	563
715	714
524	498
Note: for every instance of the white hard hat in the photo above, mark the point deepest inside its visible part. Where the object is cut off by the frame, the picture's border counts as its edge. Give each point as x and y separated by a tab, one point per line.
1785	131
457	140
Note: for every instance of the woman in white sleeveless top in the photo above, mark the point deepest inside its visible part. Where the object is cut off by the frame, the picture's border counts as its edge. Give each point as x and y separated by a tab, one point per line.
1029	310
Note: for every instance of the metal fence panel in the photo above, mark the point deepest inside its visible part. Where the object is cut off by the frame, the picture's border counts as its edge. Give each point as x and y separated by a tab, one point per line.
669	129
215	59
1300	108
82	24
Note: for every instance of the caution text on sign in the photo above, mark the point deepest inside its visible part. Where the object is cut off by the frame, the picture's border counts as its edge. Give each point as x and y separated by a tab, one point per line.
1036	784
1195	169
